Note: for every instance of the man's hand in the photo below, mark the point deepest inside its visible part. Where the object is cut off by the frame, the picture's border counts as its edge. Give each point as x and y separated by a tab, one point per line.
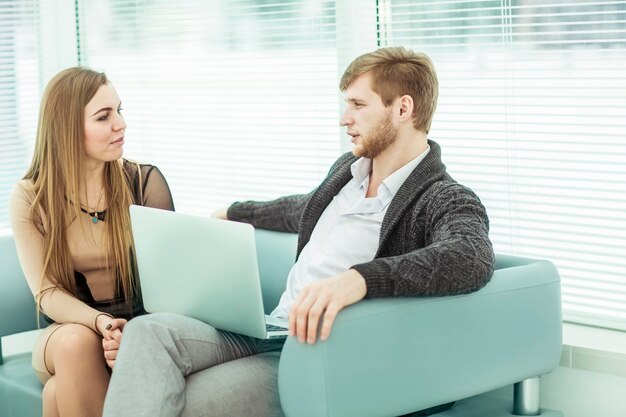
322	300
220	213
111	341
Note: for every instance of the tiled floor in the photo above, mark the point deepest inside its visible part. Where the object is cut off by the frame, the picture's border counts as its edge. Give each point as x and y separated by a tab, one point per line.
487	406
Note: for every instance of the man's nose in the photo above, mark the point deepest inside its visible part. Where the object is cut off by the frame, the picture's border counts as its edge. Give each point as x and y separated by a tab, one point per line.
346	120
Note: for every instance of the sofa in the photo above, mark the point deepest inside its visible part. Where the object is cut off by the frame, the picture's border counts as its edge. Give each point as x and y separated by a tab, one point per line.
385	357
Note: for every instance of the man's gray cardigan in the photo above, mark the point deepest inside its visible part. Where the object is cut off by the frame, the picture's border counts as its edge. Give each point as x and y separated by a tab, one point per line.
433	239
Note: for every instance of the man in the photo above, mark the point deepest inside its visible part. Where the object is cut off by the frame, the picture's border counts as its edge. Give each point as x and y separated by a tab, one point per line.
387	221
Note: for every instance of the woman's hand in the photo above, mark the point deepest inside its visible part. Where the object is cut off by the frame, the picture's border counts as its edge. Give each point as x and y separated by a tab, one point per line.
112	338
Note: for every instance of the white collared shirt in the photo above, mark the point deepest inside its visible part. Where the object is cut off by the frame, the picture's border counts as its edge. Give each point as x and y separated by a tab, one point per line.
348	231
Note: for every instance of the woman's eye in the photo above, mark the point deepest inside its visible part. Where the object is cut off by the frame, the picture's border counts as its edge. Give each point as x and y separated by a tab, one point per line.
103	117
119	110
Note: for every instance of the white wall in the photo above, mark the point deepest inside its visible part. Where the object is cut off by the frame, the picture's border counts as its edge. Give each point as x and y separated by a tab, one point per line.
591	378
580	393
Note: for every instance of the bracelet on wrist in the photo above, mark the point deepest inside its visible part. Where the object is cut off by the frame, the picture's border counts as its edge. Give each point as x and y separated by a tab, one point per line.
95	322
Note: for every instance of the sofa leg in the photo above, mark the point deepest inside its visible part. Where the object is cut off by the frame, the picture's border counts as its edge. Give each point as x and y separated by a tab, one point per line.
526	397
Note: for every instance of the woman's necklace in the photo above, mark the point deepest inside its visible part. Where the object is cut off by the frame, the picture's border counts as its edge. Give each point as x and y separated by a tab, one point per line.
92	211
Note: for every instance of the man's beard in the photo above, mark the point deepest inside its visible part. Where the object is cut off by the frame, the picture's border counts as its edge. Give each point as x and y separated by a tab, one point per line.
383	136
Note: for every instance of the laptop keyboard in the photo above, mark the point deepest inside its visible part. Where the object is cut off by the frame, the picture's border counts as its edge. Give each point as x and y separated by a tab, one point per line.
273	328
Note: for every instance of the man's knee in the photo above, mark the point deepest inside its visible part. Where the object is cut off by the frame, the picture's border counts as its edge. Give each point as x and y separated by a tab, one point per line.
155	329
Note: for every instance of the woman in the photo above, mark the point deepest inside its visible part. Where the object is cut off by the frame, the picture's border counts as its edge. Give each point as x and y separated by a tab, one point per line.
70	219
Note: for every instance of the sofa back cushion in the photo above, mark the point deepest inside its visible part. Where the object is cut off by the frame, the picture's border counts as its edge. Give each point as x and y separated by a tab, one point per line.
276	253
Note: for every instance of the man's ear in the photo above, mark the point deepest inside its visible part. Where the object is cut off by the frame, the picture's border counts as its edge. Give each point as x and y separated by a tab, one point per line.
405	107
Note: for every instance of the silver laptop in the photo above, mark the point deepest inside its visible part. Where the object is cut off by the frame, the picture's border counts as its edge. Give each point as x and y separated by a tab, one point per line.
202	268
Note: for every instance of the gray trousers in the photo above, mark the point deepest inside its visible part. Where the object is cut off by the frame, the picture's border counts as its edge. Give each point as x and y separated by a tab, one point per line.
170	365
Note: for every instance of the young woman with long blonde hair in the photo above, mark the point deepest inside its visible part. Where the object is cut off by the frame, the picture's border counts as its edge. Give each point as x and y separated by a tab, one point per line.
70	220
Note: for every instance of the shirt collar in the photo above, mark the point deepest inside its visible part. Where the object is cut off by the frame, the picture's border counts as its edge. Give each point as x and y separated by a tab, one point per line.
395	180
362	167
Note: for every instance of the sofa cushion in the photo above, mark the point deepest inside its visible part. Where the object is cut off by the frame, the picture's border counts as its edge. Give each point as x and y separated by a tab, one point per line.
20	390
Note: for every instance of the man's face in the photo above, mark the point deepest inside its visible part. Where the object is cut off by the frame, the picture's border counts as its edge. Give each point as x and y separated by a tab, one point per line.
368	121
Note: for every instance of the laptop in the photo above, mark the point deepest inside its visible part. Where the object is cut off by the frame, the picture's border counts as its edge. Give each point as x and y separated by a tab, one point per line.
203	268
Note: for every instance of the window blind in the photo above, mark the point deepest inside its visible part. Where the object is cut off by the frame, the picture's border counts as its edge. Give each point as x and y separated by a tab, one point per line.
231	99
532	116
19	94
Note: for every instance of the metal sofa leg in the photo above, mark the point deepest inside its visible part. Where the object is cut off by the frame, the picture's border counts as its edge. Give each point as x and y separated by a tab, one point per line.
526	397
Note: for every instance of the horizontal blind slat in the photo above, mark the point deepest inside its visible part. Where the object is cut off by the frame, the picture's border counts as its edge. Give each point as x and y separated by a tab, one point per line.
254	114
19	92
531	115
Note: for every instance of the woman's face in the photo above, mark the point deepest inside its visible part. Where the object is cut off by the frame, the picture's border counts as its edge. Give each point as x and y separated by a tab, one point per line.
104	126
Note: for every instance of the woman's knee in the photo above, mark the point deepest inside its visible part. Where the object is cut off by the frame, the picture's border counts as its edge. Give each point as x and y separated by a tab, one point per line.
74	341
49	392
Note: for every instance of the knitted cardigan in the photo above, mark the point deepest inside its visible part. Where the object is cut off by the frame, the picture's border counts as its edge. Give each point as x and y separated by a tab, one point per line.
433	239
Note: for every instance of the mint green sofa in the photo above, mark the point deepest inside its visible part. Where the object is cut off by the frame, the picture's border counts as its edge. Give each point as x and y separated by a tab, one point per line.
386	357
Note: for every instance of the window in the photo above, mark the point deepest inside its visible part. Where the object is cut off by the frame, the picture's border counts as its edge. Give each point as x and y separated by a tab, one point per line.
532	115
238	100
231	99
19	94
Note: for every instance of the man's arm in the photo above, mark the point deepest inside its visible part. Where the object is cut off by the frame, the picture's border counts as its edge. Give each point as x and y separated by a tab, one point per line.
282	214
458	259
321	301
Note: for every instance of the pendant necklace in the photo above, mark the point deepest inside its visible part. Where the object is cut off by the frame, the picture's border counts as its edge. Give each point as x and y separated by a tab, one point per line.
92	211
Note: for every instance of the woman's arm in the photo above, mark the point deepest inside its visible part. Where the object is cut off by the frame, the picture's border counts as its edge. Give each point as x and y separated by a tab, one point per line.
155	191
29	240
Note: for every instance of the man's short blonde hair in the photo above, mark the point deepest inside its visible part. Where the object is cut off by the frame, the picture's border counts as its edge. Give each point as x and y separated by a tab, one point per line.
397	71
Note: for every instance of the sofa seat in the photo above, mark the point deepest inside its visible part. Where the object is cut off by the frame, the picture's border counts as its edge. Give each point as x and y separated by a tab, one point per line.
385	358
20	390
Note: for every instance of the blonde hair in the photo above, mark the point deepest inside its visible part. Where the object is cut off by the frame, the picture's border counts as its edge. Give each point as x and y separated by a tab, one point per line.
55	173
396	71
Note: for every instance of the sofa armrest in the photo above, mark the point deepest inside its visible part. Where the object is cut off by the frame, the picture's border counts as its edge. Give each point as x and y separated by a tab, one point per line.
17	307
395	356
